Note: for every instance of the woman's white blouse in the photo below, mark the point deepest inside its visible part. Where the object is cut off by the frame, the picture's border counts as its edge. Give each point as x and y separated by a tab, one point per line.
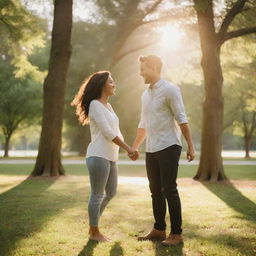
104	127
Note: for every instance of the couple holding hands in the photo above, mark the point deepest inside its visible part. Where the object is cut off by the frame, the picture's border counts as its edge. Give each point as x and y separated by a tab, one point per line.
163	119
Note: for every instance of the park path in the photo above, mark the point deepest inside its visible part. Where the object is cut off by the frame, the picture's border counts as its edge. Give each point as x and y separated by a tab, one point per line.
126	162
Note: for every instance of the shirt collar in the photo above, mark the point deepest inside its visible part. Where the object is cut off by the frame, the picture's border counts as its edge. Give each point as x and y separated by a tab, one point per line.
157	84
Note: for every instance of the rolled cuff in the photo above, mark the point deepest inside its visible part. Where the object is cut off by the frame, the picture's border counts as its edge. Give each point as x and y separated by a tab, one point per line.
110	135
141	125
181	119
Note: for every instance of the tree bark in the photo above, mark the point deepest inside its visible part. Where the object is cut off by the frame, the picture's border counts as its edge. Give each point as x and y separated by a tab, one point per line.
7	145
84	140
211	165
248	131
247	146
48	162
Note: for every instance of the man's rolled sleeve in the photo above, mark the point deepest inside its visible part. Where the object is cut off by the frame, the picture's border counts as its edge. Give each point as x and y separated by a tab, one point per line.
141	124
175	101
96	114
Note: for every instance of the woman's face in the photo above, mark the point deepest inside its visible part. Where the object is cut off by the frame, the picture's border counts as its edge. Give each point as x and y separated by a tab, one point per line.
109	87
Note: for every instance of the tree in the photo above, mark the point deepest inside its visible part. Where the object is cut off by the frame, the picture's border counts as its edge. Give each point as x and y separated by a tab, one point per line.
48	161
19	102
211	165
241	98
20	33
249	128
239	65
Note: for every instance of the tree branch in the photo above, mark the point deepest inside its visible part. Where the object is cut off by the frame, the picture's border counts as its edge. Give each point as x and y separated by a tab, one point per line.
227	124
177	13
248	9
161	19
245	124
148	10
237	8
8	26
153	7
232	114
238	33
122	55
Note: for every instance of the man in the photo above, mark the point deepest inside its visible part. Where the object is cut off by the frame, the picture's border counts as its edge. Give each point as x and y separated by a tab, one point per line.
161	105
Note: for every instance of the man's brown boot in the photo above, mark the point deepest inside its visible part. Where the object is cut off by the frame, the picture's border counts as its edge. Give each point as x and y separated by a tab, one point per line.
154	235
173	239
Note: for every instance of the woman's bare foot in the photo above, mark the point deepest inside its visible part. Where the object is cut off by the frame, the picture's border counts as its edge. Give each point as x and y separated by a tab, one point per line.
95	235
99	237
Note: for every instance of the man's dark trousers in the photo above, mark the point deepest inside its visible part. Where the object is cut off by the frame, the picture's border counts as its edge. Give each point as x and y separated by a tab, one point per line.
162	169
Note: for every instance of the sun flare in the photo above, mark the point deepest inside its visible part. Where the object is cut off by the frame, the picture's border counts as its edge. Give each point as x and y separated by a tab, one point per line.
170	36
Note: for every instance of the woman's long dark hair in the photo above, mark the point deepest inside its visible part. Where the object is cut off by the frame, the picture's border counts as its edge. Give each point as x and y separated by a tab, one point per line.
90	89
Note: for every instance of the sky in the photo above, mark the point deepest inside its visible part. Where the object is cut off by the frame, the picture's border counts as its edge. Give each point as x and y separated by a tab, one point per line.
82	10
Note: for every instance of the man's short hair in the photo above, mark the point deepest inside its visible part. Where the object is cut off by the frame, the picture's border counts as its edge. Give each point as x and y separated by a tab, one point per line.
152	61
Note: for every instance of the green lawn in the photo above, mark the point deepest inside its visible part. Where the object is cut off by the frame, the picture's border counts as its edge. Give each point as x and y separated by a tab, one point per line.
47	216
237	172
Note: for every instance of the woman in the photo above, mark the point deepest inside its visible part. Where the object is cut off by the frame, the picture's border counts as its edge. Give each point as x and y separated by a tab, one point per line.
92	106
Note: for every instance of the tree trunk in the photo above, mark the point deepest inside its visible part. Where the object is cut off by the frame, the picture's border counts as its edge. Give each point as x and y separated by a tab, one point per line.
247	146
84	139
211	166
48	162
7	145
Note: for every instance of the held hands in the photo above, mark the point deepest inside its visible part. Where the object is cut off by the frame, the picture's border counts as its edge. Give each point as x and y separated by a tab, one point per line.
133	154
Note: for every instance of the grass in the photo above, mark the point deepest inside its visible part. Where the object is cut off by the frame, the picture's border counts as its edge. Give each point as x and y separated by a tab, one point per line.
236	172
47	216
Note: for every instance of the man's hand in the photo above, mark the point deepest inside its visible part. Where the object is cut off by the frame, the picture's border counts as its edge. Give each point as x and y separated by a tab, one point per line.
187	134
133	154
140	136
191	153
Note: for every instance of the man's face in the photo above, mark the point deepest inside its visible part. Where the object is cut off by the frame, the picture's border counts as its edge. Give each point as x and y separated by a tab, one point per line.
146	72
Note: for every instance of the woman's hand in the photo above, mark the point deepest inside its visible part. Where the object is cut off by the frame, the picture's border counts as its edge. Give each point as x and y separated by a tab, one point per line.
133	154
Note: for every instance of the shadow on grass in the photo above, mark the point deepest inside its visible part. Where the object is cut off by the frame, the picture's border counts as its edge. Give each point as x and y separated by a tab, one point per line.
237	242
161	250
228	193
116	249
88	248
25	208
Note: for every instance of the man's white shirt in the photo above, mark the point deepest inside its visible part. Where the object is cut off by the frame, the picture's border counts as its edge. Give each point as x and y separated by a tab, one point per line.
162	110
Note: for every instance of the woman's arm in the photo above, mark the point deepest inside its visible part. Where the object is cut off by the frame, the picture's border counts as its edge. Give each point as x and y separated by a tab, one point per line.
125	146
97	115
